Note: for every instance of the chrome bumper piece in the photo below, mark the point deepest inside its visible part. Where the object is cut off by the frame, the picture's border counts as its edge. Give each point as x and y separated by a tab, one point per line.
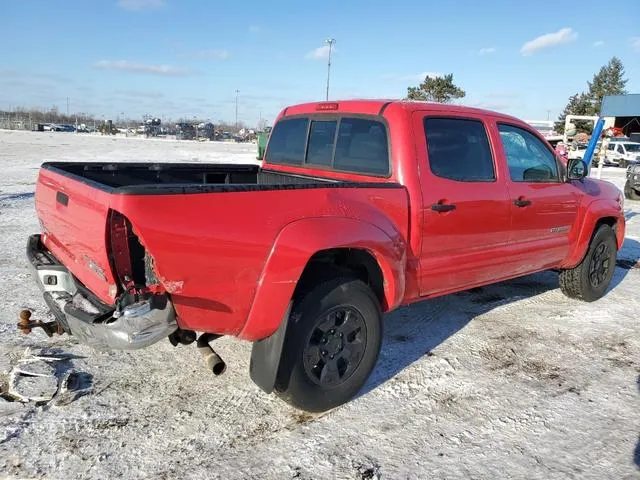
84	316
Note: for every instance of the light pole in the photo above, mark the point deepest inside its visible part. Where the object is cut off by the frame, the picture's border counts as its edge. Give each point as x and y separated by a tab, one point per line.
330	42
237	92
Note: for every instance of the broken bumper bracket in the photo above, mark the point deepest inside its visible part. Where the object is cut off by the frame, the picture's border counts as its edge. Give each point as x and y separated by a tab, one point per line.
136	326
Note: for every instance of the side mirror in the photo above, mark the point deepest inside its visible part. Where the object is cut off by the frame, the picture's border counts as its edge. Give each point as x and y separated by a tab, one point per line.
576	169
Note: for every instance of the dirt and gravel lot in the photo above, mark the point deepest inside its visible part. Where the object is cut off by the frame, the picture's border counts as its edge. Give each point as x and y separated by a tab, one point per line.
508	381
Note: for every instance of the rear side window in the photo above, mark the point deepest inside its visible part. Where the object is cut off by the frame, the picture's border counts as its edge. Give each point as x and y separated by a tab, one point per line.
362	147
287	141
459	149
345	144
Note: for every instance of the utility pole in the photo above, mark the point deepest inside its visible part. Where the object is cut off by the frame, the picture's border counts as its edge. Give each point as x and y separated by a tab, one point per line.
237	92
67	106
330	42
548	114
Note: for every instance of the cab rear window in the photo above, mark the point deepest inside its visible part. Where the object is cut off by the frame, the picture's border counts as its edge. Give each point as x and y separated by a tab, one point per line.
287	141
346	144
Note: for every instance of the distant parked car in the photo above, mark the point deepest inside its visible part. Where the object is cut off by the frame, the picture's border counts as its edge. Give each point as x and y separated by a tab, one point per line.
623	153
577	151
186	131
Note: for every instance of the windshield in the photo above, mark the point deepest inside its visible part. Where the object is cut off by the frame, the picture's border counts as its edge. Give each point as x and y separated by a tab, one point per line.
632	147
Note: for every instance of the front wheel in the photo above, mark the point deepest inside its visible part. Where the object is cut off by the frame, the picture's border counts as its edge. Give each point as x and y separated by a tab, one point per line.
590	279
622	163
331	346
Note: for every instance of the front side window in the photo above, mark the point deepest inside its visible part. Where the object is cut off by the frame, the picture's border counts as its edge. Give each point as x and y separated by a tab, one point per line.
459	149
287	141
528	158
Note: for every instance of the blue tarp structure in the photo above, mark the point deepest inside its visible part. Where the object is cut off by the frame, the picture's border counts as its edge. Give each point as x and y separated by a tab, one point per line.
620	106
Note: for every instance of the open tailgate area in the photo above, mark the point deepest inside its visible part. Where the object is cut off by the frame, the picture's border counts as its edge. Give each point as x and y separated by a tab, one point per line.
74	218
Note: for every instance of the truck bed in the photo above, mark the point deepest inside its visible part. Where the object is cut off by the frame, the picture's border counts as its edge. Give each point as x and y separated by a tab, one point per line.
208	229
168	178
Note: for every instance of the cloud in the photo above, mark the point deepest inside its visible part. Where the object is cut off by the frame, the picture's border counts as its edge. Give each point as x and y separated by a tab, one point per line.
194	99
497	106
133	67
214	54
138	5
564	35
502	95
320	53
25	84
139	94
598	43
635	44
415	77
27	75
487	50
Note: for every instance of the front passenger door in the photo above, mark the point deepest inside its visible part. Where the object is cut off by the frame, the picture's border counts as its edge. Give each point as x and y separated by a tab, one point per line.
543	205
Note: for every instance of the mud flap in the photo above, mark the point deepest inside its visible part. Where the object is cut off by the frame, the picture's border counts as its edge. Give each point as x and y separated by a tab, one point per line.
266	354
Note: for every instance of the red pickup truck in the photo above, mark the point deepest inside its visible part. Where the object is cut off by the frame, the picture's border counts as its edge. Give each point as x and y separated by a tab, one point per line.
359	207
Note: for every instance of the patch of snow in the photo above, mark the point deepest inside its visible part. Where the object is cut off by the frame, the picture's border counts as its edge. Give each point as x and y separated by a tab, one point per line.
82	303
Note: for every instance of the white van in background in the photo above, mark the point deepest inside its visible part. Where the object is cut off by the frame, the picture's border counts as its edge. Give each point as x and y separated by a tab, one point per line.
622	152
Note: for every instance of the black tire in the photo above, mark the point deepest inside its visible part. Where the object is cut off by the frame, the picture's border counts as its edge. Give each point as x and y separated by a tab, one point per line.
324	363
590	279
622	163
629	192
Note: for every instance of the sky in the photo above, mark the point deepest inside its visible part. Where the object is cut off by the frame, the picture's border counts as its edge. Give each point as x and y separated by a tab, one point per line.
186	58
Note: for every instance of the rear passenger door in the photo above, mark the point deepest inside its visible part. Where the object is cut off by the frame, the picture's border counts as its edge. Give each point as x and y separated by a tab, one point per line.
543	206
465	204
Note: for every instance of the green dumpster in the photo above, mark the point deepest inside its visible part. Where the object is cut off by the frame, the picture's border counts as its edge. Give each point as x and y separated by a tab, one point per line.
262	144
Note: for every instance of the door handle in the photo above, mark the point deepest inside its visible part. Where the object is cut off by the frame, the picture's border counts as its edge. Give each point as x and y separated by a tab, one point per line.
521	202
62	198
443	207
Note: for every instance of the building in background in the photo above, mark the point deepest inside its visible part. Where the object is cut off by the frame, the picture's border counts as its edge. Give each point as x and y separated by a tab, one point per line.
547	129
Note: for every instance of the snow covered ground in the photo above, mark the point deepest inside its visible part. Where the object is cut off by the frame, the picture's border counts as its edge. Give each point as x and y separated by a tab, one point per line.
509	381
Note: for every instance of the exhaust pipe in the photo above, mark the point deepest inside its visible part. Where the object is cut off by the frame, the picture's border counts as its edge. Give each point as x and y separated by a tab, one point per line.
213	361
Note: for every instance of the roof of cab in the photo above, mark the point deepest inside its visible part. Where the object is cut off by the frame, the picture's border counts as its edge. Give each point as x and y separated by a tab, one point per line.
376	106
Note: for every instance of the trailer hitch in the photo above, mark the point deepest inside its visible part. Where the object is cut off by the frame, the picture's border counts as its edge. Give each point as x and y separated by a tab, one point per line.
25	325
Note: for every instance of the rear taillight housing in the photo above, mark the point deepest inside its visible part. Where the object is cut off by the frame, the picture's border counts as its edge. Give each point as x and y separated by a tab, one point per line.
126	253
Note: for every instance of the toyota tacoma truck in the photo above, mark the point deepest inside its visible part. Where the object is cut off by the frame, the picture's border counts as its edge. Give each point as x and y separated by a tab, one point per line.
357	208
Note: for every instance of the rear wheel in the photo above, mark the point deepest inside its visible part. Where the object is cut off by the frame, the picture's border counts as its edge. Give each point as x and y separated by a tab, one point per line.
332	345
622	163
590	279
630	192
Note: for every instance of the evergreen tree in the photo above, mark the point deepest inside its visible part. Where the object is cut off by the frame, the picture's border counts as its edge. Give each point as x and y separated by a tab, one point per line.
436	89
579	104
608	81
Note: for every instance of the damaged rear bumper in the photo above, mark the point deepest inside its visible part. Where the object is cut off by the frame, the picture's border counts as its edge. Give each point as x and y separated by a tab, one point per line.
81	314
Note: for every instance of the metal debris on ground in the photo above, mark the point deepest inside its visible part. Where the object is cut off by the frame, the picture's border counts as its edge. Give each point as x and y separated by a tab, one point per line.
42	378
